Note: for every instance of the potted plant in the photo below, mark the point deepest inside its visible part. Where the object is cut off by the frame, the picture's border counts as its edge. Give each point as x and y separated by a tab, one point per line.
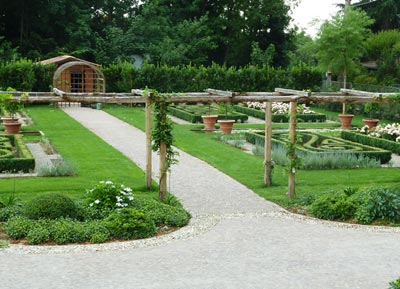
225	124
369	108
11	108
345	118
209	120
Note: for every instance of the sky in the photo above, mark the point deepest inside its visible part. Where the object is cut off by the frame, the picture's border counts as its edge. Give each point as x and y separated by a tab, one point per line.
309	10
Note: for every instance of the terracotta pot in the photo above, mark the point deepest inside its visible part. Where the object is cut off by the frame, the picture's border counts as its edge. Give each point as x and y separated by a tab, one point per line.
209	122
226	125
12	127
346	119
370	122
9	120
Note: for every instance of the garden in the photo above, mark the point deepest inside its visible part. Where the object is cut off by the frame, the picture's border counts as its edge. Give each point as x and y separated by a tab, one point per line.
87	206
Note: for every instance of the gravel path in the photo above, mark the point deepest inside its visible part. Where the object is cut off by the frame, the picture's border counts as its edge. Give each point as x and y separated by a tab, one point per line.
235	240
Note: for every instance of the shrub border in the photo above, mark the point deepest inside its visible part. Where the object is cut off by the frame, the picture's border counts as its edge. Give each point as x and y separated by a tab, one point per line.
25	163
371	141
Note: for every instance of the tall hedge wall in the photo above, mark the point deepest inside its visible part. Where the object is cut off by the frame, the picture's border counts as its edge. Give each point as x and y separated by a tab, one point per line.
25	75
123	77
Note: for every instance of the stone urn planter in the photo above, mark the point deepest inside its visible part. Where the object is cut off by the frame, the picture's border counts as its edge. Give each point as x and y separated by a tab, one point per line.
345	120
209	122
226	125
370	122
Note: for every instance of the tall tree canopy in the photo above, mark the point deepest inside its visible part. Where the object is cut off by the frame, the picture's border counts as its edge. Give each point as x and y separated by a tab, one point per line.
169	31
341	41
386	13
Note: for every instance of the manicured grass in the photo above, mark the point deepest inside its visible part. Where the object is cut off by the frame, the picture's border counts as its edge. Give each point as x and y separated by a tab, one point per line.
93	159
248	169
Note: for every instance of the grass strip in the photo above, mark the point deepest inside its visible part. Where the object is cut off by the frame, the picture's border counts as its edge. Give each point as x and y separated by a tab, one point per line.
93	159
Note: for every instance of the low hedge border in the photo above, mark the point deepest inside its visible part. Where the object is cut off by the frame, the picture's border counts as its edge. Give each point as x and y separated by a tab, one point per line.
196	118
389	145
317	117
24	163
382	155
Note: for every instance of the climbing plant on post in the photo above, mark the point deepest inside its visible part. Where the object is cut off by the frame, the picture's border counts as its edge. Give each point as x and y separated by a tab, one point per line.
162	137
294	160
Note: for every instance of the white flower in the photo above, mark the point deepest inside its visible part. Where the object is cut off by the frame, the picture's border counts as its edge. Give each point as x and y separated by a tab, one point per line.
119	199
130	198
97	201
91	205
109	182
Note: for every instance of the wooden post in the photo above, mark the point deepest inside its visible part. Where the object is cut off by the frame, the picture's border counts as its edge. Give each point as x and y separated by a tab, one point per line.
148	145
267	145
292	140
163	172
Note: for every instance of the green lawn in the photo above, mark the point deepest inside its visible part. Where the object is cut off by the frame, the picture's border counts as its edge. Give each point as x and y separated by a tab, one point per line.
93	159
248	169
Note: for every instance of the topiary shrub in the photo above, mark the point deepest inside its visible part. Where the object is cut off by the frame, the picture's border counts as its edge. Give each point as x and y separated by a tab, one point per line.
333	206
50	206
129	223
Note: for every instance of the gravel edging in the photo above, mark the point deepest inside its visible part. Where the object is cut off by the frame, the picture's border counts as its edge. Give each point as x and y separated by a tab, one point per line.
197	226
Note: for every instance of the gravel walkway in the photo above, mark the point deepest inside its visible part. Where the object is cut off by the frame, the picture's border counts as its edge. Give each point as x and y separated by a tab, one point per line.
235	240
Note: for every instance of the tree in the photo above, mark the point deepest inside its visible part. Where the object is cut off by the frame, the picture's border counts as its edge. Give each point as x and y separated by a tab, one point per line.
215	31
384	12
384	48
341	41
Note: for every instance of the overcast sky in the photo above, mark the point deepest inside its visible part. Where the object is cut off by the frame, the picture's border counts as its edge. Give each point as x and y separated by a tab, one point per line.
308	10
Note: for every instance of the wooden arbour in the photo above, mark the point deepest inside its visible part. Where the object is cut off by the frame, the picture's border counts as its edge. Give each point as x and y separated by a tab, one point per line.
212	95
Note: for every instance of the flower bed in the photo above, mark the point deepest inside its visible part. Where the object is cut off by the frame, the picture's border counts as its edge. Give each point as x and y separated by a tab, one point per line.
313	143
386	137
110	211
193	113
14	155
280	112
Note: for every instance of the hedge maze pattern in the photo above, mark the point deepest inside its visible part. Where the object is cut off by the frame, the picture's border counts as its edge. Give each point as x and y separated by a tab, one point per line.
314	143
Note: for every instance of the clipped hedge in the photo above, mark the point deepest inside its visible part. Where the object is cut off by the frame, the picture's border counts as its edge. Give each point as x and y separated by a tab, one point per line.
389	145
317	117
313	143
122	77
24	162
196	118
26	75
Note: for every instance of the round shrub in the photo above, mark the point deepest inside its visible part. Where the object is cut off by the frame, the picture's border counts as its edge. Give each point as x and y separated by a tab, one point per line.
333	206
51	206
130	223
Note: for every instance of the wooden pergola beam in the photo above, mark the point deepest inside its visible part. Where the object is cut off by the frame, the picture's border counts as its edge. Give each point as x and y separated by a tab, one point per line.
212	95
